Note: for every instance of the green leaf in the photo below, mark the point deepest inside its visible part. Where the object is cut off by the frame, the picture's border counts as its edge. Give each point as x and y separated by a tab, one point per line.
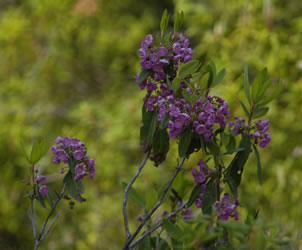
143	75
196	77
25	152
225	138
169	82
234	150
153	126
258	163
174	231
164	22
151	198
209	197
211	68
235	169
80	187
260	112
50	199
219	77
71	165
135	196
187	96
72	187
246	85
194	194
245	109
146	120
176	84
269	98
184	142
235	226
165	121
43	147
40	197
187	69
213	147
231	144
35	155
259	85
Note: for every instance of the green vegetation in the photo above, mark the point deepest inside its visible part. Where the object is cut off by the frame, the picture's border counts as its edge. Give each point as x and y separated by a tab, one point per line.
68	68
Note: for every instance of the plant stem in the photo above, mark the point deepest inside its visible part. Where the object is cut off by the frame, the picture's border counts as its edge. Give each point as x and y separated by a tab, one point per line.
155	207
127	191
169	216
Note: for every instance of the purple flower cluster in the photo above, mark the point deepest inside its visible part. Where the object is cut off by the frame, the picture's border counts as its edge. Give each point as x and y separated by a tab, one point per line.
260	134
200	178
156	58
238	126
72	148
40	180
226	209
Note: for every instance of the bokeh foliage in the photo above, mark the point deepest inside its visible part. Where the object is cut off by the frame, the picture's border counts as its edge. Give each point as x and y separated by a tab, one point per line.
68	68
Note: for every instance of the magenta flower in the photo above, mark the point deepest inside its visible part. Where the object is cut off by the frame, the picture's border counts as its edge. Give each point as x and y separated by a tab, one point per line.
44	190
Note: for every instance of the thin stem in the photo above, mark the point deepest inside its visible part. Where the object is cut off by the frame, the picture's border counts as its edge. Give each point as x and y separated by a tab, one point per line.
33	222
127	191
156	206
170	215
51	211
50	226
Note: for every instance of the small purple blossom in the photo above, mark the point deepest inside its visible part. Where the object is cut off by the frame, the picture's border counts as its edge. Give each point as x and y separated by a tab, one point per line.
226	209
41	179
72	149
260	135
44	190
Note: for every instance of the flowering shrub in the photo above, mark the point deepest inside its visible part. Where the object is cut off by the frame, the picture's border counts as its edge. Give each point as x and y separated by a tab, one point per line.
70	151
177	107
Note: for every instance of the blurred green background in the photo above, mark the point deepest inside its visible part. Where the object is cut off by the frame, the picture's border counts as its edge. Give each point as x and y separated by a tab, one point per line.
68	68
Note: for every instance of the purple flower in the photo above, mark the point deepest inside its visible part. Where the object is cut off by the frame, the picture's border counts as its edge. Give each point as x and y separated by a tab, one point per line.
44	190
41	179
78	155
226	209
162	51
260	135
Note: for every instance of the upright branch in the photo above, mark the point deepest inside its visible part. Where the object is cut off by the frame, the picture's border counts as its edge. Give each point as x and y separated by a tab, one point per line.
127	191
156	206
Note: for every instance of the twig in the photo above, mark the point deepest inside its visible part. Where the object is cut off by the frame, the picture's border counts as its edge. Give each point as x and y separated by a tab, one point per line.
170	215
51	211
127	191
33	222
155	207
50	226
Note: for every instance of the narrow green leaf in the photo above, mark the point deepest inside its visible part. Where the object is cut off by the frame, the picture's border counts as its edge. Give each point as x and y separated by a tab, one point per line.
80	187
153	126
267	99
71	165
176	84
213	147
174	231
50	200
209	197
165	121
72	187
260	112
196	77
225	138
146	120
39	197
43	147
246	85
187	68
135	196
187	96
258	163
143	76
258	85
164	21
245	109
219	77
231	144
211	68
194	194
35	155
25	152
169	83
235	169
234	150
184	142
